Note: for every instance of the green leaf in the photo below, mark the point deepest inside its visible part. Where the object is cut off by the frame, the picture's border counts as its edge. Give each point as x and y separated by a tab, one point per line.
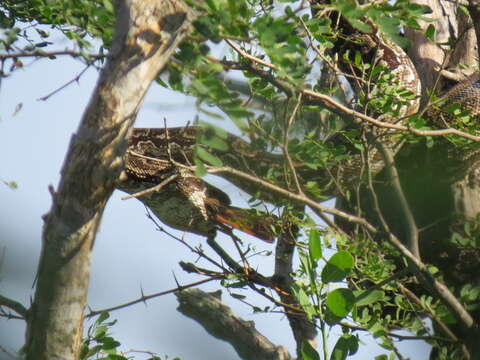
103	316
445	314
308	352
108	5
213	130
346	345
302	297
337	267
110	343
366	297
211	4
238	296
200	169
314	245
214	143
213	136
430	32
100	332
11	184
207	157
306	263
303	300
340	302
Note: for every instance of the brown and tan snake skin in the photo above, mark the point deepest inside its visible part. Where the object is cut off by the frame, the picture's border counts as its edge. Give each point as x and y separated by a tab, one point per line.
189	203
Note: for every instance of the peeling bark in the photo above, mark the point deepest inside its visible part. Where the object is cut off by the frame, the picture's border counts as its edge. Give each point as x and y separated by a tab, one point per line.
146	35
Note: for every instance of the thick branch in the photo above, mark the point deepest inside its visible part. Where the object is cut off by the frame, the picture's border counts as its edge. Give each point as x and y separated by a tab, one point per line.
220	322
147	33
411	237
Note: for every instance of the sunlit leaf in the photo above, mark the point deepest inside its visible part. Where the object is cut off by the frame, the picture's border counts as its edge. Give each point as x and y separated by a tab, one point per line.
207	157
367	297
314	244
308	352
346	345
337	267
340	302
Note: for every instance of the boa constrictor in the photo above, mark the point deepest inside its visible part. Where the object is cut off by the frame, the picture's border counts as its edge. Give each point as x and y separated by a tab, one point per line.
190	203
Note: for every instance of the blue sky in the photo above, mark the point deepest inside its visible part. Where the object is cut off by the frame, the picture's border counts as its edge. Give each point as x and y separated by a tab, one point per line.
129	254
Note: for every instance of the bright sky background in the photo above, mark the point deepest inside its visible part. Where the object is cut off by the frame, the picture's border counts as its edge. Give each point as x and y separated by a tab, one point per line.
129	254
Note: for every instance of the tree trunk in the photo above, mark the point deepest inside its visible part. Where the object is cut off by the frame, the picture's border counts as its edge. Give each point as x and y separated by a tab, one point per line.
146	35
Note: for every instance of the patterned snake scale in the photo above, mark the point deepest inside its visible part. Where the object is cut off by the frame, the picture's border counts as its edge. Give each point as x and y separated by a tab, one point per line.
185	202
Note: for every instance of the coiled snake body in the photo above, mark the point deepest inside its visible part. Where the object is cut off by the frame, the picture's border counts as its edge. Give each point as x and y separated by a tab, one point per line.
151	151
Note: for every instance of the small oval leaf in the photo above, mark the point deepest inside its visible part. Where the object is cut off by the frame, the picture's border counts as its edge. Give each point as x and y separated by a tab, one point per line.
207	157
337	267
340	302
367	297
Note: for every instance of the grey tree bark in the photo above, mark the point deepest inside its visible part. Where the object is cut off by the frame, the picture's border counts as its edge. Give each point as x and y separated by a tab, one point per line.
147	33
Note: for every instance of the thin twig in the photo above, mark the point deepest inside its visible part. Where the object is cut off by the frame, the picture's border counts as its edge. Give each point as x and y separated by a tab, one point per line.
41	53
285	144
75	79
153	188
148	297
8	353
194	250
444	328
248	56
292	196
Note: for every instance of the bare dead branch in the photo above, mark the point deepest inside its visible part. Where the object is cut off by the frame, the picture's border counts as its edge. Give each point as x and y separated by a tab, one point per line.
47	54
217	318
75	79
144	298
15	306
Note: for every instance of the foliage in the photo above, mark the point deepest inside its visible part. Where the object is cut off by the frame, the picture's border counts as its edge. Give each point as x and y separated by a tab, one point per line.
100	345
281	49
